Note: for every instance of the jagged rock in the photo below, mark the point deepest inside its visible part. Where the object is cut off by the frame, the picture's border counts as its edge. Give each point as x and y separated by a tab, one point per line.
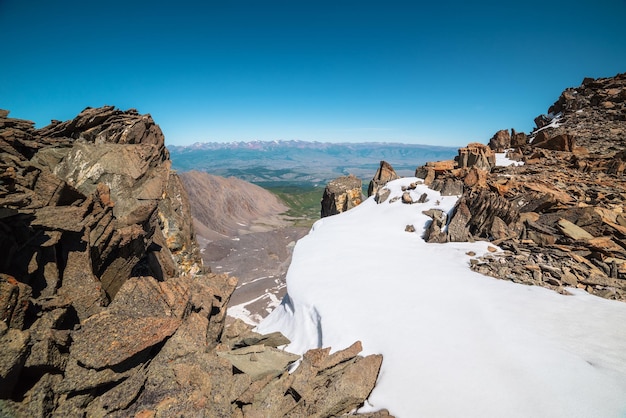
476	155
573	231
14	301
448	186
518	139
102	269
500	141
382	194
434	233
145	313
475	179
50	341
568	194
340	195
259	361
13	355
384	175
430	170
351	379
563	142
475	214
457	227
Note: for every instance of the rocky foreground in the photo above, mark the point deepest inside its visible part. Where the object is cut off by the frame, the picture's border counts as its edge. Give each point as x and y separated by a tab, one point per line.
105	306
560	216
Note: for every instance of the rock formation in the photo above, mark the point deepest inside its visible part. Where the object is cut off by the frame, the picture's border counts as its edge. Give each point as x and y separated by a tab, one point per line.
341	194
105	307
384	175
559	217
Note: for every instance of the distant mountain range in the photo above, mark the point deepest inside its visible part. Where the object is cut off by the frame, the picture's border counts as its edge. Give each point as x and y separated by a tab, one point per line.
302	163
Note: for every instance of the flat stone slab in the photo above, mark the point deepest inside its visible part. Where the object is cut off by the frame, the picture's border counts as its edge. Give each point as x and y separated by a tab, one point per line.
259	361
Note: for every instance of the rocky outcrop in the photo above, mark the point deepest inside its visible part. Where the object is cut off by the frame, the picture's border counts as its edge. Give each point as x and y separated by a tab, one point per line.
341	194
384	175
501	141
476	155
106	309
593	113
558	217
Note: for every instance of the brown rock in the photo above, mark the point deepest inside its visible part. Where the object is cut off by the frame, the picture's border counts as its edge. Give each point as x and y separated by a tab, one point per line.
563	142
476	155
340	195
107	340
14	301
476	178
384	175
501	141
518	139
13	355
572	230
382	194
259	361
448	186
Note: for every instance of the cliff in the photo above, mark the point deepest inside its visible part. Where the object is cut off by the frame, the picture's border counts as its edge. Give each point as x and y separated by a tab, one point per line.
105	307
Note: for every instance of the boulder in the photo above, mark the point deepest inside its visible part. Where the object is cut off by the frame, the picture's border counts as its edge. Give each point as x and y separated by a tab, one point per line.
518	139
341	194
448	186
259	361
476	155
476	212
563	142
500	141
384	175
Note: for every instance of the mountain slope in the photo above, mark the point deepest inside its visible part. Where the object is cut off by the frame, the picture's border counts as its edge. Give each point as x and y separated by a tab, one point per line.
244	235
223	206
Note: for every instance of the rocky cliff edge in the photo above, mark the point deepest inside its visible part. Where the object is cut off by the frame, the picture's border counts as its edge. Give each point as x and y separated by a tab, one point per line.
559	216
105	308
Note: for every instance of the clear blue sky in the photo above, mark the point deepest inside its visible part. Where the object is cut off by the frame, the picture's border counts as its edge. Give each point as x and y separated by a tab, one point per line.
442	72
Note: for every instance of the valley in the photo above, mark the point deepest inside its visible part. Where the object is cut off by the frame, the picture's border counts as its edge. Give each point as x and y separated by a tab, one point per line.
252	201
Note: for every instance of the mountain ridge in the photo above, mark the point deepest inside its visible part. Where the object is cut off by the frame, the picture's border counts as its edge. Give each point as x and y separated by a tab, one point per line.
303	163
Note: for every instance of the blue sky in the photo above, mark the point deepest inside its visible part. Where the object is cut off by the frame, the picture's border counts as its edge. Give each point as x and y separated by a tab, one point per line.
442	73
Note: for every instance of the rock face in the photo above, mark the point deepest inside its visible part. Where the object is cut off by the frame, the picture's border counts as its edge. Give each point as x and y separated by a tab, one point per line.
500	141
384	175
476	155
341	194
559	217
105	307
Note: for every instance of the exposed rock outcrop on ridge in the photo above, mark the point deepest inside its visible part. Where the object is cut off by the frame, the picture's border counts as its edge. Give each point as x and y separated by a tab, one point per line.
341	194
384	175
105	307
560	217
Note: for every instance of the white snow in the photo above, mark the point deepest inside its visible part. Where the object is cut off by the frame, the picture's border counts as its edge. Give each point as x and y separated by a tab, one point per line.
503	161
455	343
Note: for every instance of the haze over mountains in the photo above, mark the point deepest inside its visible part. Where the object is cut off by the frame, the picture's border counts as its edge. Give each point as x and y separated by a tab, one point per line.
302	163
